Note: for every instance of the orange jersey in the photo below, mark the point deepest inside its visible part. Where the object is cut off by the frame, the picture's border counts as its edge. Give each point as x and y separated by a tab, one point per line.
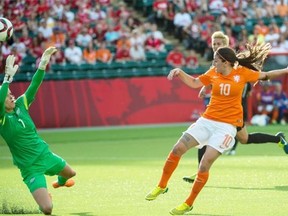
226	94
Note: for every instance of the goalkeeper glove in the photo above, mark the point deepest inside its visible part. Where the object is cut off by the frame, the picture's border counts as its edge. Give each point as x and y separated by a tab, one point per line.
46	57
10	69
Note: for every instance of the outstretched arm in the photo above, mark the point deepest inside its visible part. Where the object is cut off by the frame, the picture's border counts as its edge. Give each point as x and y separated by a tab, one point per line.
10	70
273	74
3	95
186	78
39	75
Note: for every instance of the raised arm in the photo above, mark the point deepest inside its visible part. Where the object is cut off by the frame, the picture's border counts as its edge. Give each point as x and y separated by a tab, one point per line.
186	78
10	70
39	75
273	74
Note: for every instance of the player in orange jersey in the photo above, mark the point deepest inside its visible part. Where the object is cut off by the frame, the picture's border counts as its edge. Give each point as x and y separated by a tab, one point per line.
219	39
217	127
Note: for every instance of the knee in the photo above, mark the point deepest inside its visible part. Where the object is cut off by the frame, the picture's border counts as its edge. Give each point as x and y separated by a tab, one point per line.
72	174
46	209
242	140
205	165
178	150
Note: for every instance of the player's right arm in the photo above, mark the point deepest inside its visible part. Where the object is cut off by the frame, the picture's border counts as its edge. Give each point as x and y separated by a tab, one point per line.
3	95
186	78
10	70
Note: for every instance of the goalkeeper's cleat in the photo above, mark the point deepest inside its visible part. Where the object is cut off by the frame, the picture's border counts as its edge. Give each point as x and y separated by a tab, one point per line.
155	193
189	179
68	183
181	209
283	143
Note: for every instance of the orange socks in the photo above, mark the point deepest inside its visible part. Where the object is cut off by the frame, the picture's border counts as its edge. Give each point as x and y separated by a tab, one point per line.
199	183
169	167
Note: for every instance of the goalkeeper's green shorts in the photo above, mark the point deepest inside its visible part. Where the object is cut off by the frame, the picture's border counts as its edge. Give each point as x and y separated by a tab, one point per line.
47	164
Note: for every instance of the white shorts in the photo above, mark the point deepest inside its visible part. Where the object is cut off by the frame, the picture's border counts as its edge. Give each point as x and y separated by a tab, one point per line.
218	135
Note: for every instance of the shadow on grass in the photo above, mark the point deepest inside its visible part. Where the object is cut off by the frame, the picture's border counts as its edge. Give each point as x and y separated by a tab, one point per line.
208	214
276	188
84	214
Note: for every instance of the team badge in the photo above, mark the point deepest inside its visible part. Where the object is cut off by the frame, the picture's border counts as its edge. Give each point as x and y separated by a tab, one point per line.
236	78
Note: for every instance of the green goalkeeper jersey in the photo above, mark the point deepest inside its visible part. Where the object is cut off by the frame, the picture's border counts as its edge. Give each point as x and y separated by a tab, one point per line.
18	129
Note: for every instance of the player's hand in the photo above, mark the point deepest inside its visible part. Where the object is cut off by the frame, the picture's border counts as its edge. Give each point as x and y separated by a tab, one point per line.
45	58
10	68
174	73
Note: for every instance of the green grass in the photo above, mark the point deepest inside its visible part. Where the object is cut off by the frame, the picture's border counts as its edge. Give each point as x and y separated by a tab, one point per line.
117	167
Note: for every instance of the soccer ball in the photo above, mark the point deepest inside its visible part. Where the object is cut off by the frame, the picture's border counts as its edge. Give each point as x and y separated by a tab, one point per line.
6	29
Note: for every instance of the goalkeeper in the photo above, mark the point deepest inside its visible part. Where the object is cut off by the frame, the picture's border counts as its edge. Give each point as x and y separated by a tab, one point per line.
30	153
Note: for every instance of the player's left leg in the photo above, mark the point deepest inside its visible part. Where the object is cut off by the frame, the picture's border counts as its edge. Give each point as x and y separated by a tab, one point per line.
262	138
44	200
191	178
64	178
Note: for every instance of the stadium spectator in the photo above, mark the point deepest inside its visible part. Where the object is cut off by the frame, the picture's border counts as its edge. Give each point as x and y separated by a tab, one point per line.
99	31
154	45
123	12
169	15
181	20
159	7
46	31
97	13
156	33
90	54
73	54
281	103
133	22
104	54
175	58
104	2
25	38
282	8
137	53
58	38
137	37
192	35
58	58
272	36
124	39
20	46
35	49
111	35
5	49
17	56
123	53
68	15
84	37
265	103
57	10
191	60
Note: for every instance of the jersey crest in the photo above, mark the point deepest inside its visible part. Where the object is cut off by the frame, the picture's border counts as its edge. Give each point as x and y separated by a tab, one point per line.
236	78
18	111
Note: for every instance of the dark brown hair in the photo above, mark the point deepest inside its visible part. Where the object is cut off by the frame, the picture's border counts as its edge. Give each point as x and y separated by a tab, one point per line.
252	58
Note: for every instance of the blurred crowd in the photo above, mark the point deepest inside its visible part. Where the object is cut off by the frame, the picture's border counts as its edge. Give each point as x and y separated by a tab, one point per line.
91	31
271	105
193	22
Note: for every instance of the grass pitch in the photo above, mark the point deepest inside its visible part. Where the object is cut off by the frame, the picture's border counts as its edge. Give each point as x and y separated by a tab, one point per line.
117	167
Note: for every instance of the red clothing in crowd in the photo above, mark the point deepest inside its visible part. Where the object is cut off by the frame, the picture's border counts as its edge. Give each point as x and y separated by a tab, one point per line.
175	58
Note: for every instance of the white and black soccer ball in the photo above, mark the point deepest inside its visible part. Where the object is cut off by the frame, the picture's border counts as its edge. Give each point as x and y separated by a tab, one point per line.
6	29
